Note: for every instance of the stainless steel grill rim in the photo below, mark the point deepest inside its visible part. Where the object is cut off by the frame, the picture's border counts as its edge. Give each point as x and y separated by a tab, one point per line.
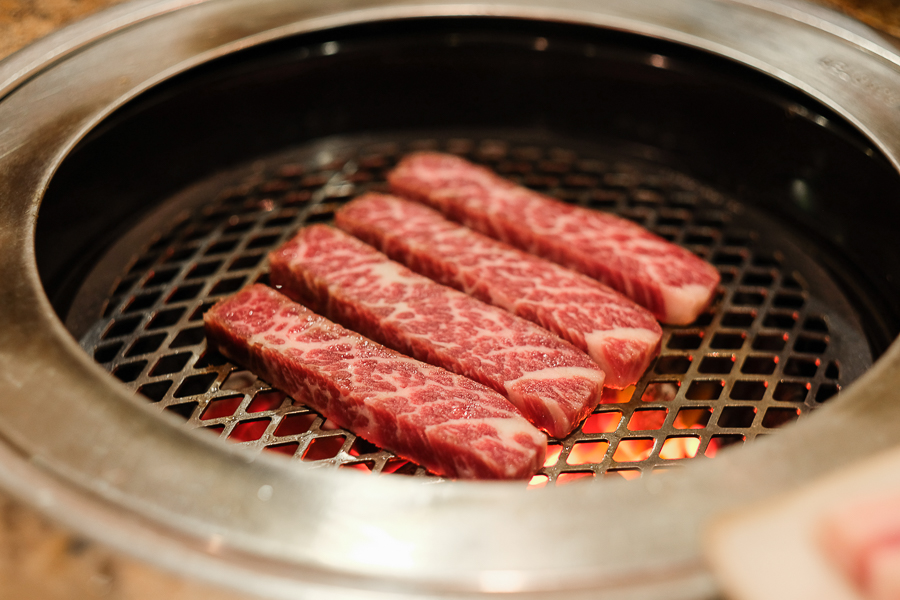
46	463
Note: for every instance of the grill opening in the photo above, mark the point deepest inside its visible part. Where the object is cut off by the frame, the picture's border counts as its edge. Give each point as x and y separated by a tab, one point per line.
734	374
175	200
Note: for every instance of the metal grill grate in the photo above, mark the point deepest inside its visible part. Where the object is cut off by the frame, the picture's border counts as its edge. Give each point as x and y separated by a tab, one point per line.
766	353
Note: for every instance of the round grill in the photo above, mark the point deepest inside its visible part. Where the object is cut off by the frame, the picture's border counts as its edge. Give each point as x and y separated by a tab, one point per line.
778	341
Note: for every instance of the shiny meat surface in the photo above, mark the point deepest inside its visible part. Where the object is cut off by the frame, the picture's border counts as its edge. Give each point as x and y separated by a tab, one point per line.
446	423
618	334
553	383
671	282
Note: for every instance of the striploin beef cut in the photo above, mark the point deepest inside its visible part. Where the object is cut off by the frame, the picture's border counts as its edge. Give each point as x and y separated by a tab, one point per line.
447	423
553	383
619	335
671	282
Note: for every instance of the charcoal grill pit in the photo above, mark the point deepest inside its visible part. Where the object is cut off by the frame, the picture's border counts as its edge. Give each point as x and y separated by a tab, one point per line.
779	340
759	134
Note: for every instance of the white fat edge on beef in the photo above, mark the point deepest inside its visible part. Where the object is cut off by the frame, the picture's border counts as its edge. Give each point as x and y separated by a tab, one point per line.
684	303
593	375
508	429
597	338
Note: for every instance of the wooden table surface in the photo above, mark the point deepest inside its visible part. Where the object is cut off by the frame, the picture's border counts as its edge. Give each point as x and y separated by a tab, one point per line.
23	21
881	14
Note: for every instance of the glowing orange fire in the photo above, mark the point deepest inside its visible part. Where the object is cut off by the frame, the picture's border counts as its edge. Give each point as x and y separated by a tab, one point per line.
633	450
603	422
587	453
611	396
647	420
643	422
692	418
679	447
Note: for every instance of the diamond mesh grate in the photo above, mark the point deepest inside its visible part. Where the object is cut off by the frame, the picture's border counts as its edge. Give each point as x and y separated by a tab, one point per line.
765	354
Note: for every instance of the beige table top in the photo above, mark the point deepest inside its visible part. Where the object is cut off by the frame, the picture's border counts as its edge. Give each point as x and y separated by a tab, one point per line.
23	21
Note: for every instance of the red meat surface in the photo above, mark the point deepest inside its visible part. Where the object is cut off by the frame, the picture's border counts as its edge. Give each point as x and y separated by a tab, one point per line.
671	282
553	383
447	423
619	335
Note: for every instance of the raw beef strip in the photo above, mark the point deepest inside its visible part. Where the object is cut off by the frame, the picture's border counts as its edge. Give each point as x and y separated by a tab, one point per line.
553	383
446	423
862	538
674	284
618	334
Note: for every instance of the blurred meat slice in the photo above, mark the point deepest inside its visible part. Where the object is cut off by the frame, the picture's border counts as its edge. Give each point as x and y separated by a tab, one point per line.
862	538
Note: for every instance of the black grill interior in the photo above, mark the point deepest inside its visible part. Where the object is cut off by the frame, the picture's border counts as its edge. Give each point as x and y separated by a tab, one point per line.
779	340
790	203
